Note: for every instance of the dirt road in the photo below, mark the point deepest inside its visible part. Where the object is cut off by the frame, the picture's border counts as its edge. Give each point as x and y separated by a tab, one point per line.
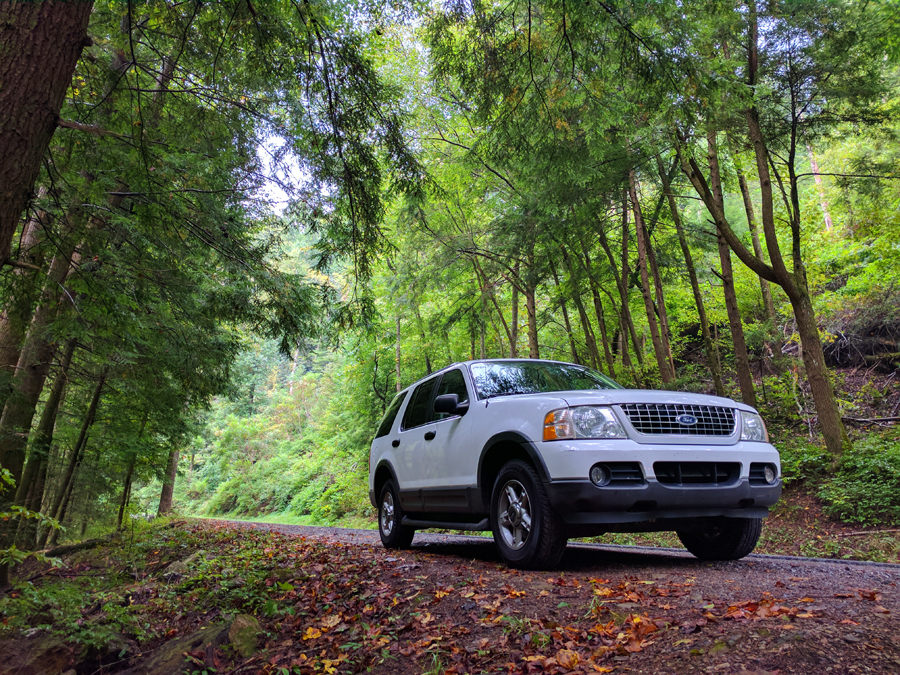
623	609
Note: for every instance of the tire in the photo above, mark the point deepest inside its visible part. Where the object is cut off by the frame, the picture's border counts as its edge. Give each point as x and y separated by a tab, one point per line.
390	515
723	538
528	534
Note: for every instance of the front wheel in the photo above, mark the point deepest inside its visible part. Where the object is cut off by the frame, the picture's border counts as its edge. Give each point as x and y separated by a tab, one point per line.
528	534
723	538
390	514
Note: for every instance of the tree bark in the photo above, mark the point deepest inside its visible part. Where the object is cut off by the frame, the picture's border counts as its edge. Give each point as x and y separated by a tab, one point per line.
168	488
662	359
589	337
534	351
598	310
741	358
18	307
664	330
40	43
621	285
565	312
715	367
514	320
397	355
78	451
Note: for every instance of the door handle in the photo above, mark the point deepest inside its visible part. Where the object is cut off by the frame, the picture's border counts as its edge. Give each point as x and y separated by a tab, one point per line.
429	435
395	443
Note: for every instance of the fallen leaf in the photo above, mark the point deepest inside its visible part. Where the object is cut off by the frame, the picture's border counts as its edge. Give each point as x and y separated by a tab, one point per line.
331	621
567	658
312	633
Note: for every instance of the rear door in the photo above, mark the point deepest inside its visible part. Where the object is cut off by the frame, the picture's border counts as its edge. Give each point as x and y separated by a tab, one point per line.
413	428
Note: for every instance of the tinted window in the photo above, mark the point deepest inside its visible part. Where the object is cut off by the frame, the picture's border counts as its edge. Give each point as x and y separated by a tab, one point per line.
385	427
452	383
535	377
417	412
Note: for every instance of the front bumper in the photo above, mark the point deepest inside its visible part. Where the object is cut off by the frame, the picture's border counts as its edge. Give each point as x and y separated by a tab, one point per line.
580	502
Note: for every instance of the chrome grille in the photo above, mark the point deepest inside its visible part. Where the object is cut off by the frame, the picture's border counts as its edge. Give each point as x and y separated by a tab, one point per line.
656	418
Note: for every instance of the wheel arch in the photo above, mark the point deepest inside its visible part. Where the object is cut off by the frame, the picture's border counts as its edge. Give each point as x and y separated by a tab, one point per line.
497	451
383	473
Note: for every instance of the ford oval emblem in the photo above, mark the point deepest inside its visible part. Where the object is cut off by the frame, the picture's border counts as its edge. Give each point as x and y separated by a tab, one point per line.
686	420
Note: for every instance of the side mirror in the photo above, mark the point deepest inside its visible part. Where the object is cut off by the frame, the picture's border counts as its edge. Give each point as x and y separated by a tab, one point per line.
449	403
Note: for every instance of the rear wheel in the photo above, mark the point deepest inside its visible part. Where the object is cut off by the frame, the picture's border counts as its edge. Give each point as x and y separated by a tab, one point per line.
390	515
723	538
528	534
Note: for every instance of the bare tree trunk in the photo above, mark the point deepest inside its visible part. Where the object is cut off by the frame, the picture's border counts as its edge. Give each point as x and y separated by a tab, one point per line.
397	356
40	43
621	285
598	310
78	450
664	330
824	202
741	358
514	320
711	356
765	289
589	336
18	307
126	490
565	312
662	358
534	351
168	488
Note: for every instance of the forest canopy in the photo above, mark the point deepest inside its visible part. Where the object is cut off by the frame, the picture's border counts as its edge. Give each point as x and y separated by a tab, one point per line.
247	224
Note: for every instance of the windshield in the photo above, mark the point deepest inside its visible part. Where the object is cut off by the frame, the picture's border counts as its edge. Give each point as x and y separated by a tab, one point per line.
535	377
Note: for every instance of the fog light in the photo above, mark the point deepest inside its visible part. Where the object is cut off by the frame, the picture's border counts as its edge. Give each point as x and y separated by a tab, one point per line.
599	475
770	474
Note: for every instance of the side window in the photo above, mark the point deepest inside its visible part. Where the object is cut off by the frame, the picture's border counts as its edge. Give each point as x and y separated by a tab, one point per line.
417	412
452	383
385	427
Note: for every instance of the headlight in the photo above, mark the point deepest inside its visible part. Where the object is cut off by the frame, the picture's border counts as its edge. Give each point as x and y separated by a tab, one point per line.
753	428
585	421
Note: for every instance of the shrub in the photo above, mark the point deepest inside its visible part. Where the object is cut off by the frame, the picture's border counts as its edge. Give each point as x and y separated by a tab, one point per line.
866	487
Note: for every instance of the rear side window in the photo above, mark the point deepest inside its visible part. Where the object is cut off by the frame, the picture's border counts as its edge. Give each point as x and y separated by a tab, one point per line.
417	412
452	383
385	427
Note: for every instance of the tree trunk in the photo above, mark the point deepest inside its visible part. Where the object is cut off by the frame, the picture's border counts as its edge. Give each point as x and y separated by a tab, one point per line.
534	351
126	490
514	320
18	307
741	358
765	289
715	367
664	330
397	356
589	337
598	310
822	201
659	349
78	450
168	488
621	285
565	313
40	43
30	490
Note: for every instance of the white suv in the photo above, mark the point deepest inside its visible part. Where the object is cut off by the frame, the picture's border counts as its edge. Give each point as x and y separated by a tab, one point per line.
540	451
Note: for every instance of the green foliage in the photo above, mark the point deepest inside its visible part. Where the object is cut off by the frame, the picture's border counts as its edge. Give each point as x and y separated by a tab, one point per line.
866	487
801	459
